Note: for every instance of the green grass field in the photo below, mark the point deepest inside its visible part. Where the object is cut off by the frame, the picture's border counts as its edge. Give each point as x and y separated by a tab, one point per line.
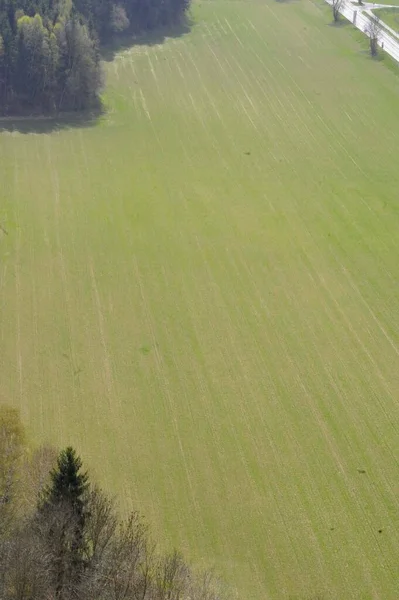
390	16
388	2
200	292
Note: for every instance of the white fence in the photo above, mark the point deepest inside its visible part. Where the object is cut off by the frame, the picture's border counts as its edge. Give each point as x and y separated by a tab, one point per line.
388	38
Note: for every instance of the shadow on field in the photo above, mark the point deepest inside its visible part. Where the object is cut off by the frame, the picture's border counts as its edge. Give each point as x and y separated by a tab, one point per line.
378	58
39	124
48	124
154	38
341	23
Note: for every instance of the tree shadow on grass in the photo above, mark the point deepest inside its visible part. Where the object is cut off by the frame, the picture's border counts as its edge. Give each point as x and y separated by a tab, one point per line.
380	57
43	124
153	38
342	22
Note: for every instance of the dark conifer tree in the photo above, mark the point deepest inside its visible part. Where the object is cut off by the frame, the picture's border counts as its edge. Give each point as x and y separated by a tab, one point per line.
68	485
61	519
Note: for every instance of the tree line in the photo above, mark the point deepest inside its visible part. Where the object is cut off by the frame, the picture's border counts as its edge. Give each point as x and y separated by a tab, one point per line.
49	49
61	537
374	27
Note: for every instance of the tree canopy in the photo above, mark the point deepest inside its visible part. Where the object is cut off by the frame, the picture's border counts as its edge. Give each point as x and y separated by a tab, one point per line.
49	49
71	544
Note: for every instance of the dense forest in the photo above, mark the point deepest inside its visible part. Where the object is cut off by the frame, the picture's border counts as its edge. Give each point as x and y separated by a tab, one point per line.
50	49
61	537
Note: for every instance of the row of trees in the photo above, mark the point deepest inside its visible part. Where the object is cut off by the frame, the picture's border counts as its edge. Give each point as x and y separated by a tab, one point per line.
373	29
49	49
61	537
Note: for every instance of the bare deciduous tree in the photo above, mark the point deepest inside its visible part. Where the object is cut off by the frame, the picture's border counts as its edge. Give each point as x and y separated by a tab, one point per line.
102	523
336	8
24	568
172	577
206	586
374	31
35	475
63	552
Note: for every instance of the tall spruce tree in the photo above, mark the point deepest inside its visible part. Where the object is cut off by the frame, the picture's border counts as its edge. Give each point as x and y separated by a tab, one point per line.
62	516
68	485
